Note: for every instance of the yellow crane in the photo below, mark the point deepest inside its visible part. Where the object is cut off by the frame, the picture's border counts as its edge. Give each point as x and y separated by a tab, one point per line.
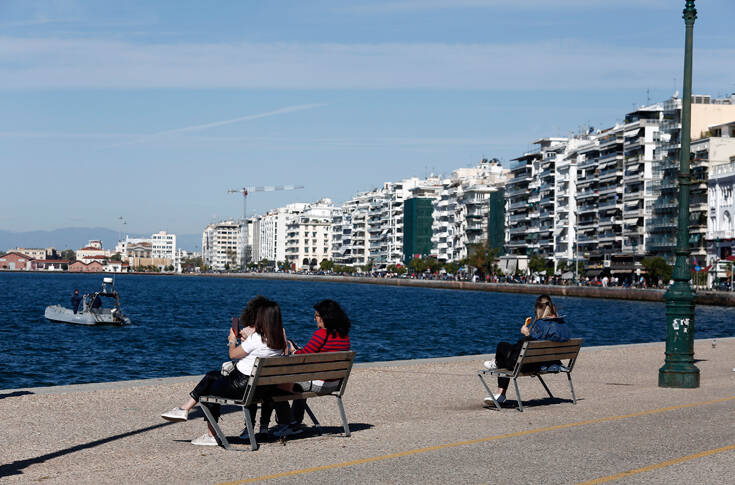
267	188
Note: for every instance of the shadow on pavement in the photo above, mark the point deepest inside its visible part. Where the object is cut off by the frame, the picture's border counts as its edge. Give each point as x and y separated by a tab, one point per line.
15	394
308	432
16	467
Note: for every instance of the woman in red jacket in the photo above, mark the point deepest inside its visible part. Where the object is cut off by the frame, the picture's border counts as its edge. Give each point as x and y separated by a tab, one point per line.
332	335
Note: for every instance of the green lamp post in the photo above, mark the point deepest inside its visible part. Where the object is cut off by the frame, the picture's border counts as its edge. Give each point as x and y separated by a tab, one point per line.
679	369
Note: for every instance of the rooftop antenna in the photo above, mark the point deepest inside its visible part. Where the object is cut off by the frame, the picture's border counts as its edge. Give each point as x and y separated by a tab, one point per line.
648	96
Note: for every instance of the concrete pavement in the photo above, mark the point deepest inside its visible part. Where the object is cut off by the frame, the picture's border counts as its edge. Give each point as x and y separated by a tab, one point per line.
412	422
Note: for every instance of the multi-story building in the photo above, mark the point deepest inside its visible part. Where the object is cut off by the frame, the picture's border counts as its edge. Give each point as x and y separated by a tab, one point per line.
92	250
273	229
462	209
163	246
641	141
309	236
706	112
718	150
565	201
531	199
522	237
37	253
417	223
223	243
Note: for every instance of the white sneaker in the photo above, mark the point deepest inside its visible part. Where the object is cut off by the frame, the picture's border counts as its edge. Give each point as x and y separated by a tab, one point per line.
498	397
205	440
176	414
490	364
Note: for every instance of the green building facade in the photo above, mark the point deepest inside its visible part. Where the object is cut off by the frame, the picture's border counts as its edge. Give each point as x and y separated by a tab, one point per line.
417	221
496	222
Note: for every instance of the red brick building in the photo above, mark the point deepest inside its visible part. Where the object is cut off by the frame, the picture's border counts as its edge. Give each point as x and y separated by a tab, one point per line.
15	261
80	267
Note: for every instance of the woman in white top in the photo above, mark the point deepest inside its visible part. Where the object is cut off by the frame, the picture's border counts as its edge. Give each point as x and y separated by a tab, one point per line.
266	338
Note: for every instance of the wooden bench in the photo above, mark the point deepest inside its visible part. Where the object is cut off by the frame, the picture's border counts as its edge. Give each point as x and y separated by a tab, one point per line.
537	352
271	371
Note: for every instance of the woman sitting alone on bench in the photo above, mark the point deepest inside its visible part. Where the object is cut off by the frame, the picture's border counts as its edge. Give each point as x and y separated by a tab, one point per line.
266	339
546	325
331	335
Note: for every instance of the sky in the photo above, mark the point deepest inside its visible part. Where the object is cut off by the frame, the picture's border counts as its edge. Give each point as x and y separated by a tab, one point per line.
151	111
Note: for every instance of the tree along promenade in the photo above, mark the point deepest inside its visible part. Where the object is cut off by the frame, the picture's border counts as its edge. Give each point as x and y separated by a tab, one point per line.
718	298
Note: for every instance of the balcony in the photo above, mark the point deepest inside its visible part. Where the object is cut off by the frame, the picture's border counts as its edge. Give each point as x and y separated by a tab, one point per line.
586	209
608	204
609	189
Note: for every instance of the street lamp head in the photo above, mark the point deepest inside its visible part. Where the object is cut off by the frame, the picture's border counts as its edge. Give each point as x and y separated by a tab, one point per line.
690	13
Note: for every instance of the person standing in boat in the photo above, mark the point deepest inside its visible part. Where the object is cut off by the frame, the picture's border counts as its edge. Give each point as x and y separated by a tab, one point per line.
76	299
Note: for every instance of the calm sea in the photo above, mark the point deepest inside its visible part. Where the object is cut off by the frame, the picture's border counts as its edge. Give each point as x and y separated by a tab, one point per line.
180	324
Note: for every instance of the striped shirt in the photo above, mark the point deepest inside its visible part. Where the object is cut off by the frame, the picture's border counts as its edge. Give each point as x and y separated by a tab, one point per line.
321	341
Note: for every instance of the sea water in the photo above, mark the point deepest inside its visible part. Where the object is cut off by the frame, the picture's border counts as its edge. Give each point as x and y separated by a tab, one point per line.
180	323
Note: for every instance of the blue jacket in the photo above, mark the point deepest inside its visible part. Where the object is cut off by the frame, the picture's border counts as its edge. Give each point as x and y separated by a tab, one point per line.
554	329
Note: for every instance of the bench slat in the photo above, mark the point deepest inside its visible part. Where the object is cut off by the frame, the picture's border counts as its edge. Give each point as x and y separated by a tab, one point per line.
308	358
543	344
549	357
302	368
308	376
550	350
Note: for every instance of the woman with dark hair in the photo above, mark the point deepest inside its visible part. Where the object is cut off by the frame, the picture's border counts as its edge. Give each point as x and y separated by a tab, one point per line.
546	325
264	337
331	335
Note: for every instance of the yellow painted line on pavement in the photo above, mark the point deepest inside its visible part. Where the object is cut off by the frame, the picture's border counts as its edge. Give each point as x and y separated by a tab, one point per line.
475	441
657	466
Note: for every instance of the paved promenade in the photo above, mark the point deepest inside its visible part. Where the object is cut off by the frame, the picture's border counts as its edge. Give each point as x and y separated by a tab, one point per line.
412	422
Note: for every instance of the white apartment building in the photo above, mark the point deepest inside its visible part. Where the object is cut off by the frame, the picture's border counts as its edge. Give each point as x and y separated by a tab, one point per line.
223	245
273	230
565	201
461	209
706	113
641	142
163	246
719	151
530	196
309	236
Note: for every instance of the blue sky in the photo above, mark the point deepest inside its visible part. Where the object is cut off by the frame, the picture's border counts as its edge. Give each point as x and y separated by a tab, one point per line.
152	110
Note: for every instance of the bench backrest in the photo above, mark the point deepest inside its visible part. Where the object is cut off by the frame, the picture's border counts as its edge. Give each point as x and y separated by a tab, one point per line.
300	368
537	351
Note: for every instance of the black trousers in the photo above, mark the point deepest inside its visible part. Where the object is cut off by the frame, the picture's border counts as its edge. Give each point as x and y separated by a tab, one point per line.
233	386
506	356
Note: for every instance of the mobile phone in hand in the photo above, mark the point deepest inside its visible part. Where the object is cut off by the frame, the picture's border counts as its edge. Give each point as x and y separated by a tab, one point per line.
236	326
294	344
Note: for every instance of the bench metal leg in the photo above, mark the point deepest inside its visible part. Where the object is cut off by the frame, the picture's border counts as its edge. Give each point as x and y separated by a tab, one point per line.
251	428
545	387
211	420
518	395
574	398
489	392
344	416
313	419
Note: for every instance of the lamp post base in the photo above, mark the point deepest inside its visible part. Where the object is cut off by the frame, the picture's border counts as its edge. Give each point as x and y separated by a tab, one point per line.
679	369
685	376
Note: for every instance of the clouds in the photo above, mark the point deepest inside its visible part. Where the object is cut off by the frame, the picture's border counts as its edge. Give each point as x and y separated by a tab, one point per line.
38	63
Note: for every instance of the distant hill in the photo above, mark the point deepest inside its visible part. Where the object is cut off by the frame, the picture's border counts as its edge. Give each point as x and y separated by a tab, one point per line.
77	237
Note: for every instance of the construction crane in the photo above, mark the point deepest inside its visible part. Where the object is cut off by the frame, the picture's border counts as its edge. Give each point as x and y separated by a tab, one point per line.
268	188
